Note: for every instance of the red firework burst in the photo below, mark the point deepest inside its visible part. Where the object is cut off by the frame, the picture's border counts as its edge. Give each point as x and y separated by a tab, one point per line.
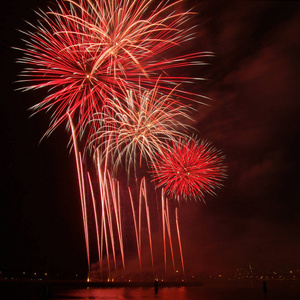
89	51
189	169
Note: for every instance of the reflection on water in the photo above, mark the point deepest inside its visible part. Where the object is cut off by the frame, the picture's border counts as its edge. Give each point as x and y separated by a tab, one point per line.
235	290
178	293
274	292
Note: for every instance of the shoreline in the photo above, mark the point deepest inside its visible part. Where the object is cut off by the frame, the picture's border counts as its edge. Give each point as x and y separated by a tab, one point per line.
83	283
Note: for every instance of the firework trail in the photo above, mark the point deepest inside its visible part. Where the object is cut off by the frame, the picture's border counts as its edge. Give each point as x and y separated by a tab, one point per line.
179	240
81	192
143	193
189	169
164	227
96	224
139	126
166	232
166	216
137	235
110	217
138	224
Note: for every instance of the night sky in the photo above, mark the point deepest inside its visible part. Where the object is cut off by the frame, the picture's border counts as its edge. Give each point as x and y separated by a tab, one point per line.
253	81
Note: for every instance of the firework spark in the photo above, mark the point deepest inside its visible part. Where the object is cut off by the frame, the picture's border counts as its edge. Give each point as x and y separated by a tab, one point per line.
88	51
140	126
188	169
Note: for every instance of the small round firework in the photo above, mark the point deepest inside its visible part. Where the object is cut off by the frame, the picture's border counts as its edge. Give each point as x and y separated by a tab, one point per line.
189	169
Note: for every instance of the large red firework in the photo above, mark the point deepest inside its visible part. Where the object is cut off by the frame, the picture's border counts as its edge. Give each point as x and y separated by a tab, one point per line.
189	169
88	51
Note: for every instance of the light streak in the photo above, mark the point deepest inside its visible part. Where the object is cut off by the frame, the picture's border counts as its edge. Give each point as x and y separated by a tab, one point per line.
137	236
167	222
114	188
96	224
179	240
144	193
104	233
82	191
164	227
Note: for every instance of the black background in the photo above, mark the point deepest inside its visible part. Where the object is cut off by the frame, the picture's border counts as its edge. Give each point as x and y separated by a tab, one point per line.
253	80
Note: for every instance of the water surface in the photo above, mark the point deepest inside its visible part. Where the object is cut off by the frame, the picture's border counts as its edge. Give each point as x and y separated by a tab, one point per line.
236	290
231	292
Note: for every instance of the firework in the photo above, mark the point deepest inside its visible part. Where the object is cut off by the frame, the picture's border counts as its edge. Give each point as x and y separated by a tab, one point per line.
108	68
88	51
188	169
139	126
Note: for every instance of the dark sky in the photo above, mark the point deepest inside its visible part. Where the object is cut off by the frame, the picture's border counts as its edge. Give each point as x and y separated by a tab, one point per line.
253	116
